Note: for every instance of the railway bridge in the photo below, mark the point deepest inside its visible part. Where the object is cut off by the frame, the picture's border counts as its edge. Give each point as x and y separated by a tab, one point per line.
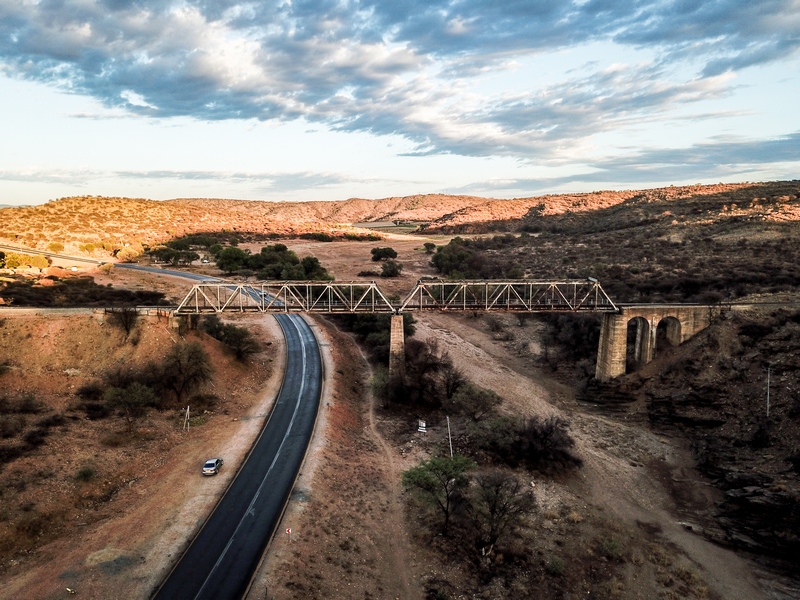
674	322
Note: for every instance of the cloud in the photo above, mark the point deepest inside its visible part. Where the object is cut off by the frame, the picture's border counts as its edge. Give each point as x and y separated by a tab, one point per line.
390	67
701	162
268	182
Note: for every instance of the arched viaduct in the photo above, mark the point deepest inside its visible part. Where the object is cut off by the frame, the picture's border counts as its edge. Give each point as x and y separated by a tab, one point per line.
678	321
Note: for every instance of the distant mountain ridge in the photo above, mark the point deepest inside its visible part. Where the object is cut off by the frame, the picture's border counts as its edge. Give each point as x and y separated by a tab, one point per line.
78	221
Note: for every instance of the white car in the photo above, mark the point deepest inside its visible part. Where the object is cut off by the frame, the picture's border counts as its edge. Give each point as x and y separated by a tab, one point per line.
212	466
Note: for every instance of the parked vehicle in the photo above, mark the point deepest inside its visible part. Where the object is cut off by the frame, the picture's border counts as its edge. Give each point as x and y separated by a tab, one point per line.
212	466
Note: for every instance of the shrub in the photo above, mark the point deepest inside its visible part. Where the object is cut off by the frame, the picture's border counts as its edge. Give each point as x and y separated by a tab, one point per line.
391	269
554	566
472	401
238	339
318	236
131	402
85	474
383	253
543	444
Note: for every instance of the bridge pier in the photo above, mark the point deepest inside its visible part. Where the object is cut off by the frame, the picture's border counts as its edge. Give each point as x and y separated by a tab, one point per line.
397	349
680	322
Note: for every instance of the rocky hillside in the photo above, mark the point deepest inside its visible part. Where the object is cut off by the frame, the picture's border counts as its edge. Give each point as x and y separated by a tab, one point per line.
97	224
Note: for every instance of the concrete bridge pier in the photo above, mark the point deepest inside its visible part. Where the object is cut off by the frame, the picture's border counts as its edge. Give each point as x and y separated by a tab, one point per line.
397	349
679	323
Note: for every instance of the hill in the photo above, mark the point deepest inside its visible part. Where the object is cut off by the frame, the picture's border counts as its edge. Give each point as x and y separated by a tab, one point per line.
99	225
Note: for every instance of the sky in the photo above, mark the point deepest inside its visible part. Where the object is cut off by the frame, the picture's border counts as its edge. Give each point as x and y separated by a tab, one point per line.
334	99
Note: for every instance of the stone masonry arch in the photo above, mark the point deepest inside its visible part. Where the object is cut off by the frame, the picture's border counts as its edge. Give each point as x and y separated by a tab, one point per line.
641	347
682	322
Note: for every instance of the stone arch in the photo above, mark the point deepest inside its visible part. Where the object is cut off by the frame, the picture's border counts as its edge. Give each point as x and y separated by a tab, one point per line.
637	347
668	334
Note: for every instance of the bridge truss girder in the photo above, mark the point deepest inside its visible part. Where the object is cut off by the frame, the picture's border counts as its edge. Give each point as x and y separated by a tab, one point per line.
521	295
286	297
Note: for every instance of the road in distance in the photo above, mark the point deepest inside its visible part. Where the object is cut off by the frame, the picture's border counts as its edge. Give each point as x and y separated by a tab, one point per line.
221	560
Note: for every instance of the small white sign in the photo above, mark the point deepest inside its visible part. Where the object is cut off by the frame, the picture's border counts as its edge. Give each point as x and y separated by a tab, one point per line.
422	426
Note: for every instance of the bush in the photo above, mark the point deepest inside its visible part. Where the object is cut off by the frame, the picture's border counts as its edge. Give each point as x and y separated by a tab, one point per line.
383	253
318	236
472	401
238	339
391	269
543	444
131	402
85	474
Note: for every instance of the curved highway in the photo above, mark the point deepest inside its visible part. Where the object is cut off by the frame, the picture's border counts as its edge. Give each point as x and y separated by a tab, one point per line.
220	562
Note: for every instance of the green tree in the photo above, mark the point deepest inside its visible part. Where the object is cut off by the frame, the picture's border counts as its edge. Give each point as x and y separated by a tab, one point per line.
55	247
185	368
165	254
383	253
240	340
429	247
231	259
440	482
314	270
473	401
131	402
391	269
499	502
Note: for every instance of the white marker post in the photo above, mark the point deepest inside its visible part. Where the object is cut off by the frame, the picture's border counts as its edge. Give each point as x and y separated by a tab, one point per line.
449	437
289	533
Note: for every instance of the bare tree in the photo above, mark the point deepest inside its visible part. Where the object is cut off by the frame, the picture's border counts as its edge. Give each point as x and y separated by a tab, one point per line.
185	369
124	317
498	503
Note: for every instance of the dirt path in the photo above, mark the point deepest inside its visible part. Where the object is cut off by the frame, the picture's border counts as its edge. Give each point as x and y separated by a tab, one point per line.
401	548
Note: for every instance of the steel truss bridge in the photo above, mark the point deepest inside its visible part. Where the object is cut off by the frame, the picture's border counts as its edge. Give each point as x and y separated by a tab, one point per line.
520	295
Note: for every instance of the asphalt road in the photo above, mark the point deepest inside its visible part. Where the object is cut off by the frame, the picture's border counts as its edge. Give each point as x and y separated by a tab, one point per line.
221	560
159	271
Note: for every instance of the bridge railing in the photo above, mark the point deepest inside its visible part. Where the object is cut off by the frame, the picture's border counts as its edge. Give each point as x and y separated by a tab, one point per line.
521	295
286	296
